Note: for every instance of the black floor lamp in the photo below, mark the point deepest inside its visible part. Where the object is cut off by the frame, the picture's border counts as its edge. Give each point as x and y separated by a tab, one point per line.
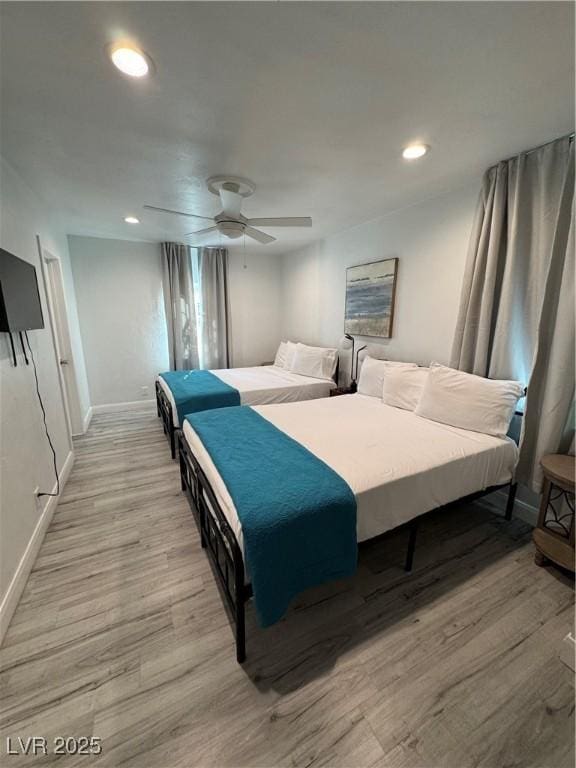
357	356
352	379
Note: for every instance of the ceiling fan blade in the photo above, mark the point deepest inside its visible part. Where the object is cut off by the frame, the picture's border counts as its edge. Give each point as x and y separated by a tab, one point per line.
282	221
177	213
261	237
201	232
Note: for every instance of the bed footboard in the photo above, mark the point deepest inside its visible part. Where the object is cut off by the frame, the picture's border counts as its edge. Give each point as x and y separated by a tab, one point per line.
218	538
164	410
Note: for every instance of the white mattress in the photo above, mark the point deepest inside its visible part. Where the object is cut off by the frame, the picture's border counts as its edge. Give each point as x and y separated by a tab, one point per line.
264	384
398	465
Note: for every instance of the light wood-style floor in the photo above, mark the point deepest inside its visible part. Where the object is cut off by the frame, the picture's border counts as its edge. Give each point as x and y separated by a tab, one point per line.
121	634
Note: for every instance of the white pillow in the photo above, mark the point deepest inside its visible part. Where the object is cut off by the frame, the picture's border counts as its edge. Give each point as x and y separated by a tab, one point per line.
468	401
403	386
329	353
371	381
317	362
280	358
290	352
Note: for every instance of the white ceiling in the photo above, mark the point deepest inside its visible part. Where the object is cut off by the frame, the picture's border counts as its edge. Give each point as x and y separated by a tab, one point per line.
312	101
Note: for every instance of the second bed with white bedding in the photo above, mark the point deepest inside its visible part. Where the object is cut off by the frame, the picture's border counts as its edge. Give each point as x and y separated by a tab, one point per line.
398	465
262	385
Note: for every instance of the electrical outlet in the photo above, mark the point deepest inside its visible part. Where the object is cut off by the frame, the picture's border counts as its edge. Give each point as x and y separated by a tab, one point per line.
36	491
144	391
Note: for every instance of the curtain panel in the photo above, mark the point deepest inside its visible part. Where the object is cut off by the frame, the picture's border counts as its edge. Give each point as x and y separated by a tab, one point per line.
214	325
516	317
197	306
180	306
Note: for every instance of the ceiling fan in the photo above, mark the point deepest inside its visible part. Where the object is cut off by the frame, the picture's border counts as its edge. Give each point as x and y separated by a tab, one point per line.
230	222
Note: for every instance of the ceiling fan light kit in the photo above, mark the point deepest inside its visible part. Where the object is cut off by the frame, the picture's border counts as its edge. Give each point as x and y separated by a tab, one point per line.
230	222
231	229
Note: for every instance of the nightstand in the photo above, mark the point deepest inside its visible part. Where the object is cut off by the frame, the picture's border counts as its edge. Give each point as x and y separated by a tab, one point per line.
554	535
342	391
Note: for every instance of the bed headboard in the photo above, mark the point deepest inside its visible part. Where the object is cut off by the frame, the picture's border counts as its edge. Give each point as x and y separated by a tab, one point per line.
515	429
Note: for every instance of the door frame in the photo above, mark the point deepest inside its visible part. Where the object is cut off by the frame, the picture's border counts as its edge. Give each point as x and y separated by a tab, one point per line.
53	279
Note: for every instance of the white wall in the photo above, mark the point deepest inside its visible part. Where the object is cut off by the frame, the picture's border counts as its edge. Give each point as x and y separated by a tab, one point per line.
25	457
430	239
118	286
254	281
122	321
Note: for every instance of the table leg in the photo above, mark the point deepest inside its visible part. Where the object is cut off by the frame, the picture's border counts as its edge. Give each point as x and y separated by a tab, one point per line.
540	559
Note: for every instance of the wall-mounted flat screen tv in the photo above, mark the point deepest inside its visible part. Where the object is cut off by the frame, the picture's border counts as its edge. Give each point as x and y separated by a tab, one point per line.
20	308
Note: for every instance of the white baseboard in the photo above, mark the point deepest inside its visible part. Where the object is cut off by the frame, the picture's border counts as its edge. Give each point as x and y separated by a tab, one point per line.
87	419
85	423
133	405
16	586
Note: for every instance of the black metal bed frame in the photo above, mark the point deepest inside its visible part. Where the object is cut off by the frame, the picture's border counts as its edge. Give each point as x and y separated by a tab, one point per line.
164	410
218	538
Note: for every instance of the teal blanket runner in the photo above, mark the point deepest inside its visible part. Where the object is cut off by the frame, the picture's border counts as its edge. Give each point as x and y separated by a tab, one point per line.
199	391
298	516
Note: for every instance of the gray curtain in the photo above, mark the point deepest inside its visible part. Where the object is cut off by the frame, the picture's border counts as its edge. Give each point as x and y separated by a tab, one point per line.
214	325
516	317
180	310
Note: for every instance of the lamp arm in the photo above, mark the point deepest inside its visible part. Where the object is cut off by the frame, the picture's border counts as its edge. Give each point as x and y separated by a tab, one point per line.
357	357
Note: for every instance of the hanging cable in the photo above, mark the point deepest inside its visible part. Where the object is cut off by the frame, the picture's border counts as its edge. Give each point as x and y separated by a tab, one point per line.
44	419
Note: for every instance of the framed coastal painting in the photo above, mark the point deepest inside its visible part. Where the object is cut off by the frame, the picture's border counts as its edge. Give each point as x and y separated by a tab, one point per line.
370	294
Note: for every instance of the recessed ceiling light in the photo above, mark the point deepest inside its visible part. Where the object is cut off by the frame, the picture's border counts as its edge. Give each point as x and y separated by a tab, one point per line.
131	220
130	60
414	151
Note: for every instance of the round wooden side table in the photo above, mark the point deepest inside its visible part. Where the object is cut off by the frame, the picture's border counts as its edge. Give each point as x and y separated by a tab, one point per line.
554	534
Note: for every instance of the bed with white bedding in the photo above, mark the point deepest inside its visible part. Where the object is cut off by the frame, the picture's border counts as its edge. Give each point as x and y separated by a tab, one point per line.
262	385
258	385
398	465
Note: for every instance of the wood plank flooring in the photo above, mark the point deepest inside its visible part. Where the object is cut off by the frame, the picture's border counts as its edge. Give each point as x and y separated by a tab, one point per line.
121	634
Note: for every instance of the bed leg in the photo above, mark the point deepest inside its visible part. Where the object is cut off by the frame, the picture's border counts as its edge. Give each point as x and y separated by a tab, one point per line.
240	630
172	443
183	485
510	502
411	546
202	522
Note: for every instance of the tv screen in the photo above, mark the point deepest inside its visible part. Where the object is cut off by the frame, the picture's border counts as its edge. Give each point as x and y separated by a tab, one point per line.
20	308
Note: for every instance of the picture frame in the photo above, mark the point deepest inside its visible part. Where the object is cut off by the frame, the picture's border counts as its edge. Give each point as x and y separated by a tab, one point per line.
370	298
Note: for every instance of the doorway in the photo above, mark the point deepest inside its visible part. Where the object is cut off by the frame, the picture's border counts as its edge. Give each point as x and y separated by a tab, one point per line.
56	298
